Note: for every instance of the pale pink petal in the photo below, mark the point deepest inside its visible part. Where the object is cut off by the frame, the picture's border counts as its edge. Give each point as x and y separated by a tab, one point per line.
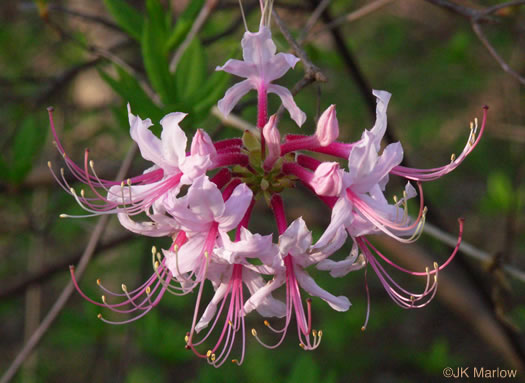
239	68
340	303
341	217
319	253
363	158
205	199
148	228
379	129
233	95
234	208
193	167
258	47
149	145
288	102
268	306
338	269
278	66
173	139
264	292
391	157
211	309
249	246
187	257
296	239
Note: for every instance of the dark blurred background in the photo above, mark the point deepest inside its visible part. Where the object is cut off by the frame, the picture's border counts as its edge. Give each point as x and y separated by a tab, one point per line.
89	58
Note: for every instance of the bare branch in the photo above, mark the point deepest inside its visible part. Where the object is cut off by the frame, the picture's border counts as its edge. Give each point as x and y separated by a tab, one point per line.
352	16
503	64
56	309
473	252
195	28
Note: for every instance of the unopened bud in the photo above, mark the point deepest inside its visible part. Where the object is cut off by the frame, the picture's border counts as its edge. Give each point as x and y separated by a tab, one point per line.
272	139
327	127
327	180
202	144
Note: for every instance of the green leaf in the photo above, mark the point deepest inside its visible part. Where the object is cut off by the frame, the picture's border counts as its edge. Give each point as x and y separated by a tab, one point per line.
191	72
28	142
500	191
154	54
211	92
127	17
183	24
127	87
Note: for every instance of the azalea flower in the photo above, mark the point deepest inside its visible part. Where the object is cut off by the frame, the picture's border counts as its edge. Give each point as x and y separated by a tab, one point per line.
261	66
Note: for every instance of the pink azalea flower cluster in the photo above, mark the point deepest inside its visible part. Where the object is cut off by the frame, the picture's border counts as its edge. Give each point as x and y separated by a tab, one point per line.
203	196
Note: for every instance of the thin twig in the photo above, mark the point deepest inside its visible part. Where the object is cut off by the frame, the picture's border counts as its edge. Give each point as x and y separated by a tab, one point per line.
312	20
234	121
87	17
503	64
199	22
352	16
11	288
55	310
311	71
473	252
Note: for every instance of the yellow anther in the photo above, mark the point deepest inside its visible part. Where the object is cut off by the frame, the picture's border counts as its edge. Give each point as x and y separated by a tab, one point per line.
266	323
235	361
148	290
49	164
99	316
157	264
314	333
425	210
301	345
62	172
395	199
153	250
129	182
320	333
213	357
436	266
122	184
63	215
124	288
254	332
471	125
363	328
426	270
206	254
186	339
104	299
230	323
82	193
208	354
476	122
452	157
175	248
72	191
98	281
412	298
91	164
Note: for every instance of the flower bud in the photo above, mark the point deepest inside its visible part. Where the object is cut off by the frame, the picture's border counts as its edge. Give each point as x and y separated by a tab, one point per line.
202	145
327	127
327	180
272	139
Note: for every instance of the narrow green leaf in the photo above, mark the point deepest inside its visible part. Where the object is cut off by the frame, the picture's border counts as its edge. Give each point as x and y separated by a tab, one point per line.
127	17
127	87
183	24
212	91
156	61
28	142
191	72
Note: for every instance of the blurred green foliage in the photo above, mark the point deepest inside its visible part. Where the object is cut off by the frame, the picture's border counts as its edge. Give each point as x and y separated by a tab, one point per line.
439	75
